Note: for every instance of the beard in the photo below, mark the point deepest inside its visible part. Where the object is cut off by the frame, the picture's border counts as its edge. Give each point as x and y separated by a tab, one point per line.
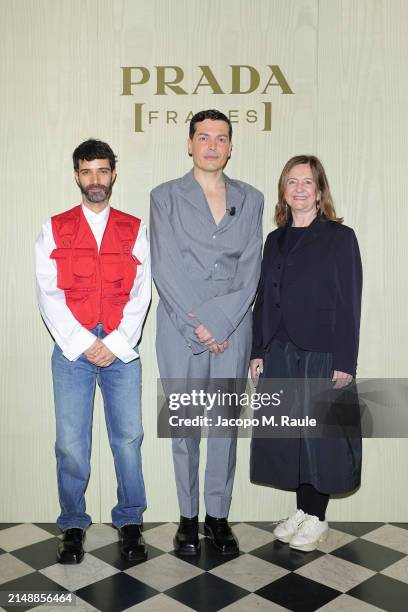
96	197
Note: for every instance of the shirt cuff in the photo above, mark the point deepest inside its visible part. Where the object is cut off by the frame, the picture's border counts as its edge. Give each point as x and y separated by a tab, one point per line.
120	347
214	320
78	343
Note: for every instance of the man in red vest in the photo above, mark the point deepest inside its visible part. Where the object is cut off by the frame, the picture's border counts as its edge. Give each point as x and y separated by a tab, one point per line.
94	288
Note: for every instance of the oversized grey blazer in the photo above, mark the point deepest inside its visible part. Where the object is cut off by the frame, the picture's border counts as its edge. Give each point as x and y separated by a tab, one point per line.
200	268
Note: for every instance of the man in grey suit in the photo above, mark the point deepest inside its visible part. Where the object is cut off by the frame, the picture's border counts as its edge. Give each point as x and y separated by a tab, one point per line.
206	241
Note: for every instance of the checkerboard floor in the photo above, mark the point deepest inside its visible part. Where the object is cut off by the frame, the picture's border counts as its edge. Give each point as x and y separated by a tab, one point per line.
362	567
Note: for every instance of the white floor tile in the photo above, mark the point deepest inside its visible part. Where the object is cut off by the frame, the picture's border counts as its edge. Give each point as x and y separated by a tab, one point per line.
164	572
22	535
249	572
74	577
12	568
335	573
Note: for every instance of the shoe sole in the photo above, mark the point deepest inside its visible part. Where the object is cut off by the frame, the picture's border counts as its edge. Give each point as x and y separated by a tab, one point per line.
311	546
209	534
284	540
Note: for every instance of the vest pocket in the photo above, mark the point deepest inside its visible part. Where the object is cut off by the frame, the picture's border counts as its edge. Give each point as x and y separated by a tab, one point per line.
81	306
112	268
63	260
84	263
112	272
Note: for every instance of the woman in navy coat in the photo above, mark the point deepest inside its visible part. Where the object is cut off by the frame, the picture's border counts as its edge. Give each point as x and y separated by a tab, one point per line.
306	326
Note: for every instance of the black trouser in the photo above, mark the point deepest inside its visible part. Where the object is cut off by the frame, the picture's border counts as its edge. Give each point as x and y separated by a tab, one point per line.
312	501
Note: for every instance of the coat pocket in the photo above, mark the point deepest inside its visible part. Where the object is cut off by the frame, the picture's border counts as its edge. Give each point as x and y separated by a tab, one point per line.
326	316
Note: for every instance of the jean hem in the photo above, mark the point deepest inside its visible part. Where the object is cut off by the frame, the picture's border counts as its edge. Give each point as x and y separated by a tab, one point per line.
84	527
135	522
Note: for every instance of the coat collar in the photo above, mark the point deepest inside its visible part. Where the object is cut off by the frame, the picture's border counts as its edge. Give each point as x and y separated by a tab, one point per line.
312	232
194	194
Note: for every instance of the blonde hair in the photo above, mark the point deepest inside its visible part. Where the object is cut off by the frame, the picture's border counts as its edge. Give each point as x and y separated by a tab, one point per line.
325	209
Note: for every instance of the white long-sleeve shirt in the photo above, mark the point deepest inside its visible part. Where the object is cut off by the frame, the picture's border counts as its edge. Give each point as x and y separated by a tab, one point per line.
72	337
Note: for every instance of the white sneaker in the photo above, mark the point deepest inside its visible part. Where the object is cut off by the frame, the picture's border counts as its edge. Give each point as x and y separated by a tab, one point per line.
286	529
310	533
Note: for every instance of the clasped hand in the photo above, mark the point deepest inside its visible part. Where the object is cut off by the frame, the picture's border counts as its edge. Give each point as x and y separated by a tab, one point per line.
205	337
98	354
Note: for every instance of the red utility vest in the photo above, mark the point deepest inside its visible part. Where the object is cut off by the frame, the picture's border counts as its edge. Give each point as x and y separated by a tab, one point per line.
96	285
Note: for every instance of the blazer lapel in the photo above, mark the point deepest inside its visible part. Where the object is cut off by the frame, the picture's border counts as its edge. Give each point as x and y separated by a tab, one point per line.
234	199
192	192
281	239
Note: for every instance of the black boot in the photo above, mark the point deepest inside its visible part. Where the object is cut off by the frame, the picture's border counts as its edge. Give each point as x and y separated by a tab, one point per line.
186	540
221	535
132	544
71	549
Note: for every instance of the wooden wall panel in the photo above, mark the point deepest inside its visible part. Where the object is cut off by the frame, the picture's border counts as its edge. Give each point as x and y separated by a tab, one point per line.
159	155
362	138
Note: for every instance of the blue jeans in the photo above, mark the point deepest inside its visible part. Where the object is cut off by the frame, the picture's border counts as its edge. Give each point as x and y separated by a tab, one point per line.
74	390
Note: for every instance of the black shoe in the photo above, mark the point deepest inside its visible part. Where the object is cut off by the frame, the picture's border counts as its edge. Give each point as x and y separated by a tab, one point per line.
132	544
186	540
221	535
71	549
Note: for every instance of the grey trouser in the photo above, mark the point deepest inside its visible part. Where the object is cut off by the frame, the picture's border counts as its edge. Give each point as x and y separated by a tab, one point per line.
177	362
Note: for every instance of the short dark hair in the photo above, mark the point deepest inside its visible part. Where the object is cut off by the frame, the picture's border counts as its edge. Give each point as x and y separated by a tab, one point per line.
93	149
213	114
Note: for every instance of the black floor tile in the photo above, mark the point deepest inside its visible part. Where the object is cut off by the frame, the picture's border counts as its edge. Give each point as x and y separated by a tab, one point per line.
368	554
402	525
284	556
201	526
355	529
50	527
147	526
266	526
116	593
383	592
32	582
298	593
8	525
206	593
111	554
39	555
207	558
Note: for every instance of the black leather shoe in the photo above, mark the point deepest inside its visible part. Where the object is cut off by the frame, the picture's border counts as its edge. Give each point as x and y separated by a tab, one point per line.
221	535
71	549
186	540
132	544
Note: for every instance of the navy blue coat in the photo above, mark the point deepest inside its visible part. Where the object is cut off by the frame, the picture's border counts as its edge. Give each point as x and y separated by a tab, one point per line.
316	288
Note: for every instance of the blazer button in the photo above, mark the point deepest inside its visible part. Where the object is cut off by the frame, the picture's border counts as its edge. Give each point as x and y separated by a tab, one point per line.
278	266
275	284
277	305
